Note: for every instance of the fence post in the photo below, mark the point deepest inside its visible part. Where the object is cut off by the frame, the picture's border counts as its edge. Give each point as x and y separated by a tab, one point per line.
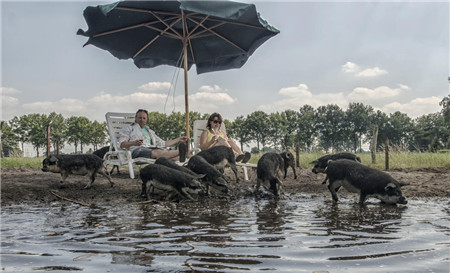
48	140
297	153
386	151
374	145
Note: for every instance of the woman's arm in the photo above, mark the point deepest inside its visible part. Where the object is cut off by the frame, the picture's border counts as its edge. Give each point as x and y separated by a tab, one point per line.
204	143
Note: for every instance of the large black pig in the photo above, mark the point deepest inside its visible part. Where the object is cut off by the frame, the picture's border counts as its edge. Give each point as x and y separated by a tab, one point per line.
76	164
366	181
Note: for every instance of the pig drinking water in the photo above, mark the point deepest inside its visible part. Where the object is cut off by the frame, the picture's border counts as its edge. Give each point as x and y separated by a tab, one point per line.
366	181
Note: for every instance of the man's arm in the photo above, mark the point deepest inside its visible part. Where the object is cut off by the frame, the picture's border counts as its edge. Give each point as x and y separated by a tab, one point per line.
175	141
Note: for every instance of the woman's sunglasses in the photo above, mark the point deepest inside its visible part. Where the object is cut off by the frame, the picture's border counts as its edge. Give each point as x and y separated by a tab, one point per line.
217	121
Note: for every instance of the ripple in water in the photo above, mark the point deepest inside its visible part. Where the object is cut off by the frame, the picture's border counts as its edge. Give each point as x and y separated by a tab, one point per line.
297	235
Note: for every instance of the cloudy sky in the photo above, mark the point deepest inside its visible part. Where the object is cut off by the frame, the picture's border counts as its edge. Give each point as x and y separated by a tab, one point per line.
391	55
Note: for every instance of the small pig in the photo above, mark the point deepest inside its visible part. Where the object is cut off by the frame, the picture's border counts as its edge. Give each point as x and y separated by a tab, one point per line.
213	177
268	171
167	179
101	153
76	164
220	157
288	159
321	164
366	181
171	164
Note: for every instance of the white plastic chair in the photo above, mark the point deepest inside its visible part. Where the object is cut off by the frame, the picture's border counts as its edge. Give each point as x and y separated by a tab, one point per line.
199	127
118	157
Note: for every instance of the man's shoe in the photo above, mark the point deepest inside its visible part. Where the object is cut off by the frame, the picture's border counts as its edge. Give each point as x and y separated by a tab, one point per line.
182	150
246	158
239	157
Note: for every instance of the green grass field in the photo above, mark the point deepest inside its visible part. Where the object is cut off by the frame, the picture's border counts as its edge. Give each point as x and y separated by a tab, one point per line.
396	160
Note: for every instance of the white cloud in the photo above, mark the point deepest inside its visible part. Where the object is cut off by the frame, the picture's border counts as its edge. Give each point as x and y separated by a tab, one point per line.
381	92
296	91
210	89
350	67
296	97
10	106
371	72
355	69
208	99
155	86
8	91
416	107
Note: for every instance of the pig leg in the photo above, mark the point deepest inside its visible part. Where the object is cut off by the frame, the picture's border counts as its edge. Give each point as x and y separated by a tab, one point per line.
258	184
92	180
64	175
144	189
106	174
184	190
325	180
295	174
234	169
332	189
362	197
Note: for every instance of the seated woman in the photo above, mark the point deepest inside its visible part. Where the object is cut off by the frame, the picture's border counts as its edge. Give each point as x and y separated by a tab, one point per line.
213	136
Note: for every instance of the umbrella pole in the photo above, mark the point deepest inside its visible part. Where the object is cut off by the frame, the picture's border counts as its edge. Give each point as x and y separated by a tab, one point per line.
186	91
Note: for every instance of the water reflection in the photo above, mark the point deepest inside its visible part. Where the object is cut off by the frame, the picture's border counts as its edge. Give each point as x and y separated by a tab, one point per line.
301	235
375	219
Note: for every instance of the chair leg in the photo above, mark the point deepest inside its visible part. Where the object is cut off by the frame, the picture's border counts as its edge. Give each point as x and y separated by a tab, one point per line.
245	173
131	169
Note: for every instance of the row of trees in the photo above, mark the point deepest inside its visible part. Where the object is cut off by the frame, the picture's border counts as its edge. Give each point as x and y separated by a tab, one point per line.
33	129
327	128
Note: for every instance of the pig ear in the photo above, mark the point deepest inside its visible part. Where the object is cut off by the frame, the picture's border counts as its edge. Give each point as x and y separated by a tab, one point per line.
53	159
314	162
390	186
329	160
201	175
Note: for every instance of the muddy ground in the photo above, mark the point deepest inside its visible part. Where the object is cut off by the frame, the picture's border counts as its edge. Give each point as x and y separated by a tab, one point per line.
32	186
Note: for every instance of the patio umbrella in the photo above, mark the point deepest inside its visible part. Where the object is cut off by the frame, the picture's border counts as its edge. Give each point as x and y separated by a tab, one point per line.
213	35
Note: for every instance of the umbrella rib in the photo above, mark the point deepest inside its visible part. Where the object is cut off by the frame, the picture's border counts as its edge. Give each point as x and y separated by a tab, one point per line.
122	29
201	34
229	22
168	26
154	13
156	37
217	34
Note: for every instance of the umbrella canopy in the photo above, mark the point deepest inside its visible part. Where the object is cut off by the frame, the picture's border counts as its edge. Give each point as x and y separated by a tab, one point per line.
213	35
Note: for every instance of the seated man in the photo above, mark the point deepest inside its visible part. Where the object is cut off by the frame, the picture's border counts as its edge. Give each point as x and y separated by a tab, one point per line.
143	142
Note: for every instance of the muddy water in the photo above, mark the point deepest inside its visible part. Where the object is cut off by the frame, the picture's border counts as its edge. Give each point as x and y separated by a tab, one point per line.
296	235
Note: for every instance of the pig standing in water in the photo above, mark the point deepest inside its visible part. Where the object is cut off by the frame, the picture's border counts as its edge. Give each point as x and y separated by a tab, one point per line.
268	171
368	182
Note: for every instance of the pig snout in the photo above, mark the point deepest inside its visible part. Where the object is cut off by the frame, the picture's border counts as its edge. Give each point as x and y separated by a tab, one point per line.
402	200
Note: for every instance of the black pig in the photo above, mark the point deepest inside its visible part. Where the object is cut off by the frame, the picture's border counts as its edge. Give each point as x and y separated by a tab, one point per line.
288	159
101	153
167	179
268	171
366	181
76	164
